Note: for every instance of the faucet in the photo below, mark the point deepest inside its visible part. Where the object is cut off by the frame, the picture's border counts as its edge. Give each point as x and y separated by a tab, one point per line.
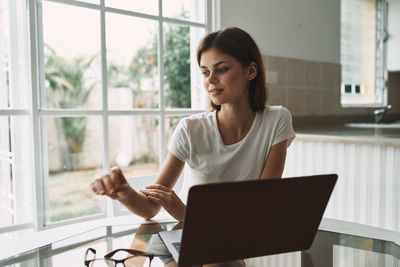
380	113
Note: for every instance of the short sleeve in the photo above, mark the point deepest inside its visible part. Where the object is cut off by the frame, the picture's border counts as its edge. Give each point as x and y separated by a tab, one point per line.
284	128
179	144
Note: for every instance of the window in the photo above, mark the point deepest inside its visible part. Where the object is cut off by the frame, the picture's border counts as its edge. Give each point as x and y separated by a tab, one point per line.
362	52
16	179
85	85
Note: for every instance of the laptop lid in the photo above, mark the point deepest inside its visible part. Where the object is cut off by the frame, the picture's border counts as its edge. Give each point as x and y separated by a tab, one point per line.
237	220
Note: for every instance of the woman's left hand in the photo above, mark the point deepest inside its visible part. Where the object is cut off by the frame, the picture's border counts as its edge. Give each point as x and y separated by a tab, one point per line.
166	198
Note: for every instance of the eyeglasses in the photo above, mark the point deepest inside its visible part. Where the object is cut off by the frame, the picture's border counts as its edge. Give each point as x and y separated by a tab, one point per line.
140	257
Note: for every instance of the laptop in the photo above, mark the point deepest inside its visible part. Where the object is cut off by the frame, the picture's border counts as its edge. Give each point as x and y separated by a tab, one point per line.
236	220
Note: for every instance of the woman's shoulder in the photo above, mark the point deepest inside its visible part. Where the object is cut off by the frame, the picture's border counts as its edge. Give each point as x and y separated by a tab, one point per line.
199	117
276	111
204	119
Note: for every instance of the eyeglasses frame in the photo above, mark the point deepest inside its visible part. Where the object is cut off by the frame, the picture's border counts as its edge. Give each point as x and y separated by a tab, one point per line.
109	255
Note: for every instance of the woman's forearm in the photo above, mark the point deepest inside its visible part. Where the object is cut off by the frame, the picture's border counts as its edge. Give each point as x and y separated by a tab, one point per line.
114	185
138	203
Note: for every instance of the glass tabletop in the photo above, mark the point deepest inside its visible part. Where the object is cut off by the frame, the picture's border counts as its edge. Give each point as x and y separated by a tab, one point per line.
329	249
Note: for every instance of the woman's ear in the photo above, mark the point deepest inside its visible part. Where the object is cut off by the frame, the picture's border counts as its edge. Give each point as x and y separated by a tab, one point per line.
252	71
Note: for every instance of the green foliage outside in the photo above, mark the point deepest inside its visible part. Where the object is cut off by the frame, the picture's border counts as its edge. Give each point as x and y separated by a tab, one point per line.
67	80
68	88
177	66
144	65
68	85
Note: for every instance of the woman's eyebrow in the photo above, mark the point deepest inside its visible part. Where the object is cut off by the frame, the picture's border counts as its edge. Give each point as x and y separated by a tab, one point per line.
215	65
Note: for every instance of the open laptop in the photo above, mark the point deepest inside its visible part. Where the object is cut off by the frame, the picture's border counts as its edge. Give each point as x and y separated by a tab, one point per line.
237	220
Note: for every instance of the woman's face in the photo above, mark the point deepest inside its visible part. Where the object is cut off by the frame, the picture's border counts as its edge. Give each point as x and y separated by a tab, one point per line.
224	78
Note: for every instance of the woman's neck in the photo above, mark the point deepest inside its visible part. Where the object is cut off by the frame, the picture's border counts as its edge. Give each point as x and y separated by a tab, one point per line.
234	122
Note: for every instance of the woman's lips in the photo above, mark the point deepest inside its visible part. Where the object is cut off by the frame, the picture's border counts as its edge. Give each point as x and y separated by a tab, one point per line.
215	92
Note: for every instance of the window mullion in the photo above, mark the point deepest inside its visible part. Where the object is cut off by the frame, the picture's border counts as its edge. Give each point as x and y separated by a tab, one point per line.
111	207
35	29
17	227
162	147
42	123
211	21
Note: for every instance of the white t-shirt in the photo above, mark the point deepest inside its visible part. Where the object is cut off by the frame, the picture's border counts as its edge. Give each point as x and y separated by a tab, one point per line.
197	142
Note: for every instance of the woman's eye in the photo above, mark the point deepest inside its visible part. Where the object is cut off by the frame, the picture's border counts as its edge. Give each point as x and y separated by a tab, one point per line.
205	73
222	70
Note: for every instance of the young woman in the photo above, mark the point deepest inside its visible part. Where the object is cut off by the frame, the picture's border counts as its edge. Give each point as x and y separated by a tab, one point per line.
239	139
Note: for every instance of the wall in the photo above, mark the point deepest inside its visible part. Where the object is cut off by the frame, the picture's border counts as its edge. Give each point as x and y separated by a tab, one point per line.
305	87
302	29
300	41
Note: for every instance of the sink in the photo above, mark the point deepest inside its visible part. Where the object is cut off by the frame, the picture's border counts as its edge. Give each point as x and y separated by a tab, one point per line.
392	125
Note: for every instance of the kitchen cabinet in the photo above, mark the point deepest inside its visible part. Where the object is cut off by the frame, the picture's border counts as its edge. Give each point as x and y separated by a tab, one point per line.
367	190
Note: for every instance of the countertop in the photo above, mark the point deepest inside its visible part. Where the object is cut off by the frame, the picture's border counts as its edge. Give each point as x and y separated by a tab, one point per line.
348	126
348	130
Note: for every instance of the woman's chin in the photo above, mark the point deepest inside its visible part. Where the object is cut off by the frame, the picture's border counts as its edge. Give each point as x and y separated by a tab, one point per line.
216	101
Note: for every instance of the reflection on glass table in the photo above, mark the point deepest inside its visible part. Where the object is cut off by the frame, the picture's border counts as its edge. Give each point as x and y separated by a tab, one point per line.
328	250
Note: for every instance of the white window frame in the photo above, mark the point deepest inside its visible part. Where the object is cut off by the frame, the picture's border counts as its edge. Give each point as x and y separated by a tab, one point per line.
37	112
20	81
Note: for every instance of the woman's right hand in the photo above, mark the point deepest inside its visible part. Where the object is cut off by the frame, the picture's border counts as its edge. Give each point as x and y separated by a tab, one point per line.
112	184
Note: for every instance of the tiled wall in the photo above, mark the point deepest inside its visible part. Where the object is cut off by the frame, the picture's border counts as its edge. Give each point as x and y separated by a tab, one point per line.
310	88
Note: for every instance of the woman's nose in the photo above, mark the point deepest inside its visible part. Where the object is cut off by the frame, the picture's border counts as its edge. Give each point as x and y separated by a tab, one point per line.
212	78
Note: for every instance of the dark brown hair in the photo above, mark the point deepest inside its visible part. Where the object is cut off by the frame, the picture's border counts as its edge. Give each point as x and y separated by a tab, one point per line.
240	45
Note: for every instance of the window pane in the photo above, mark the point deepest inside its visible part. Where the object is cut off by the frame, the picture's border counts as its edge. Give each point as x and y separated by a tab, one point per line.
72	56
134	144
358	51
74	159
148	6
182	82
170	124
132	53
16	179
14	57
193	10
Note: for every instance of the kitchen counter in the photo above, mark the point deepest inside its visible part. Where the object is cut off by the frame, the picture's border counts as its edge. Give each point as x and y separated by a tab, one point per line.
366	161
353	128
349	139
346	134
346	130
